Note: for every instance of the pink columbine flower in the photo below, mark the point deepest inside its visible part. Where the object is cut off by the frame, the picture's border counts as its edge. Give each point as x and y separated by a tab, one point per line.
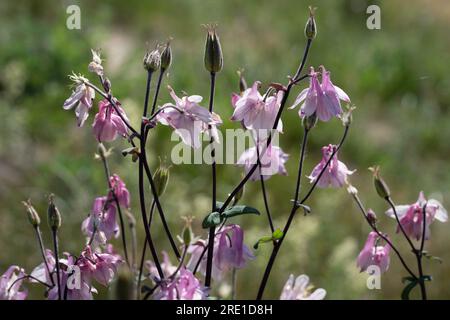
107	122
120	190
373	254
322	99
10	284
298	289
102	218
254	111
272	161
82	98
101	266
411	216
335	175
184	286
188	118
167	267
229	252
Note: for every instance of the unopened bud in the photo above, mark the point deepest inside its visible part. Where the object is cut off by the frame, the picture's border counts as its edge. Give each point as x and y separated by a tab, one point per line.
310	28
54	217
152	60
371	216
310	122
213	50
33	216
381	186
161	179
107	85
242	82
101	150
188	234
166	57
347	116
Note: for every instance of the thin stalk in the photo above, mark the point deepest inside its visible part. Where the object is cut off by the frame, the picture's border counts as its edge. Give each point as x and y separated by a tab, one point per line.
55	247
419	255
158	87
212	230
42	249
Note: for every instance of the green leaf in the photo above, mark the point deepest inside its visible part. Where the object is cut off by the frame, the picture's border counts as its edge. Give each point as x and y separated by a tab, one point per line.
239	210
277	234
262	240
211	220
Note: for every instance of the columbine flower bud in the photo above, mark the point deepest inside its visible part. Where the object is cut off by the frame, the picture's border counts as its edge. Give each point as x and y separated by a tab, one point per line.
310	122
166	57
213	50
188	234
152	60
347	116
310	28
381	186
54	217
371	216
161	179
33	216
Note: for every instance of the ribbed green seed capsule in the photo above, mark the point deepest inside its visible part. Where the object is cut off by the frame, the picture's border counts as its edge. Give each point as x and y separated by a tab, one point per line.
213	51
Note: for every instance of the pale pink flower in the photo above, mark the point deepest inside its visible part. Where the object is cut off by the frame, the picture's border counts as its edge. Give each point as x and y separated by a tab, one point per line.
95	66
299	289
167	267
322	99
82	98
102	219
10	284
272	161
411	216
373	254
188	118
254	111
335	175
184	286
107	122
120	190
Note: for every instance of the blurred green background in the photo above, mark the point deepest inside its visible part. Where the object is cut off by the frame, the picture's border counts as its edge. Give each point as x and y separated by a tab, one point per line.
397	77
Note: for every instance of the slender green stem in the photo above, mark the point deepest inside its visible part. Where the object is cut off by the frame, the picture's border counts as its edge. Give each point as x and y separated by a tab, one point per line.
158	87
42	249
419	255
56	249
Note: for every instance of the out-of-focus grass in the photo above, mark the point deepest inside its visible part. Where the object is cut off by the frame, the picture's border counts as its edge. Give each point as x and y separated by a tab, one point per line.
397	77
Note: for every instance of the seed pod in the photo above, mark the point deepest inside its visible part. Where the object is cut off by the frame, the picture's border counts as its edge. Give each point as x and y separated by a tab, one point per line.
310	27
161	179
152	60
380	185
166	57
242	82
188	234
33	216
310	122
213	50
54	217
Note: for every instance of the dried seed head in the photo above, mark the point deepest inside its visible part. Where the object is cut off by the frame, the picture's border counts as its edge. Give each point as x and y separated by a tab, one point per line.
310	27
152	60
54	217
166	56
380	185
213	50
33	216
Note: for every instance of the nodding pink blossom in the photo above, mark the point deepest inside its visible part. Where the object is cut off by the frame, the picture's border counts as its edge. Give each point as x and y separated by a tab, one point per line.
229	252
101	266
120	190
411	216
254	111
335	175
82	98
299	289
107	122
184	286
75	283
272	161
188	118
10	284
374	255
102	220
322	99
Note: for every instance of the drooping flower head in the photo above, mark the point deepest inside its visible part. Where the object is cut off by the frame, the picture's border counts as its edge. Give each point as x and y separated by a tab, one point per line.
102	220
188	118
272	161
321	98
81	99
411	216
335	175
107	122
184	286
10	284
373	254
298	289
255	111
120	190
95	66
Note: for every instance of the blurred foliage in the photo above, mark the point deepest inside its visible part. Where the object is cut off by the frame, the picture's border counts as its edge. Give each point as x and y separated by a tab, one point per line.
397	77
